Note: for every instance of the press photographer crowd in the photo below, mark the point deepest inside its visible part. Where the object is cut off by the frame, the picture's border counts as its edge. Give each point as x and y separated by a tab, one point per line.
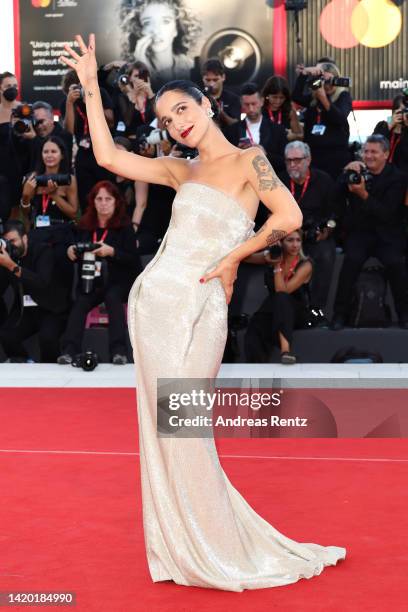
74	237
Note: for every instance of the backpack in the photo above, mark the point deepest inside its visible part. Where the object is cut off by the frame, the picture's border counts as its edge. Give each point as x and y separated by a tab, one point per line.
368	307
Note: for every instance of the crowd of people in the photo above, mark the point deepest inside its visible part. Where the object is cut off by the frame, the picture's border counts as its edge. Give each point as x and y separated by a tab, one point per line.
72	233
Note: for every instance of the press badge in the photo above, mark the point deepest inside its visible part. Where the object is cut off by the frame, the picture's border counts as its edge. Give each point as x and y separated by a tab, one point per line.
28	301
42	221
318	129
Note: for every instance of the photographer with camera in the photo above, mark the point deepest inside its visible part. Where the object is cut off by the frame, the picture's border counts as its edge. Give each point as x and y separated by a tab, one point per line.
279	108
257	129
103	244
73	111
397	132
315	192
135	103
10	178
41	302
229	105
50	194
32	125
287	306
373	226
327	104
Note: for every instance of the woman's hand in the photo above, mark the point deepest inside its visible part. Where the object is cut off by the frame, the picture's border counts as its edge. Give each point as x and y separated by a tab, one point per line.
29	187
84	65
396	119
71	253
74	93
51	187
105	250
226	271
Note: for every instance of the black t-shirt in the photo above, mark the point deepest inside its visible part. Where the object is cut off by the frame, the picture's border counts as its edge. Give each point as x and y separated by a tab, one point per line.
399	144
230	103
320	200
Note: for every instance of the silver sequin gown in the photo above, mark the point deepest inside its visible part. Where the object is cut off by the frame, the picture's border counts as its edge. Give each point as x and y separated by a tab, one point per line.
199	530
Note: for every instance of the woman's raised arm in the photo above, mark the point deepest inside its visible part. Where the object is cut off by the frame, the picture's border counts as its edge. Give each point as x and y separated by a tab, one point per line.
163	170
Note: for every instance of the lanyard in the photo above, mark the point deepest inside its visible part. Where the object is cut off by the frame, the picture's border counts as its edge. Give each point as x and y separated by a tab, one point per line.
84	119
319	115
305	186
45	201
272	116
248	131
220	103
143	110
292	267
395	138
102	239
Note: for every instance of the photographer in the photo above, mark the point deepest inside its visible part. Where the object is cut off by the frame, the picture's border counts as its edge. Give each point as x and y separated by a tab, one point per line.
315	192
135	103
104	246
29	268
40	126
50	193
256	128
397	133
73	111
373	226
288	305
279	108
326	129
229	104
10	179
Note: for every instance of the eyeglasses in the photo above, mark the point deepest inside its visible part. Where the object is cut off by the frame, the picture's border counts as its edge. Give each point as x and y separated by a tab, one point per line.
294	160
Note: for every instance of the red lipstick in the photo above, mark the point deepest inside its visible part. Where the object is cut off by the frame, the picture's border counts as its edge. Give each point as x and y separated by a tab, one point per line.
186	132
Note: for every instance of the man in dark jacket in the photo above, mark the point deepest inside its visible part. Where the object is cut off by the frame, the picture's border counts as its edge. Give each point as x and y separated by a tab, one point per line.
373	226
256	129
41	302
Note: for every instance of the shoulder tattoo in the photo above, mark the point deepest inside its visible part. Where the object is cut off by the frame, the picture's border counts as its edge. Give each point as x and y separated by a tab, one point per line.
267	179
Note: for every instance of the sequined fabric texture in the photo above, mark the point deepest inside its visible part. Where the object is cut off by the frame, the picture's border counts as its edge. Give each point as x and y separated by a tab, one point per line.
198	529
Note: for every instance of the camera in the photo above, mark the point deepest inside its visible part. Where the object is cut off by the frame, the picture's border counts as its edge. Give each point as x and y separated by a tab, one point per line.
275	251
186	152
311	229
24	116
351	177
87	361
8	247
59	179
123	80
208	89
80	89
88	266
315	82
156	136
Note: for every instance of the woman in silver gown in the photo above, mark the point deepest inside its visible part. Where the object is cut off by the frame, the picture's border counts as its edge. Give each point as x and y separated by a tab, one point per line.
199	530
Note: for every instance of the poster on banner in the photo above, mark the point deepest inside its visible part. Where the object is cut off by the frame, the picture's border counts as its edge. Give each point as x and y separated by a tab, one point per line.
173	38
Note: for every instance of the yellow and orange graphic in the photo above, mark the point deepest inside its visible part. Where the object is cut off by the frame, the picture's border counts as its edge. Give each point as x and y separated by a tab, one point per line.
372	23
40	3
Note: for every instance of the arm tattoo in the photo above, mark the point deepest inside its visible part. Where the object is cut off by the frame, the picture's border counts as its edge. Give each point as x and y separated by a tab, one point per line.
273	237
265	173
90	94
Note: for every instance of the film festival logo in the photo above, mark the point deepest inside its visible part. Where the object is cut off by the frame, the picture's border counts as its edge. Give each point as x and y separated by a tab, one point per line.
40	3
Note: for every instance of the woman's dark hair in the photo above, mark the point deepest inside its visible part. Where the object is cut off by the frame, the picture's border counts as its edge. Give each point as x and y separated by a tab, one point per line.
63	165
69	78
144	72
5	75
191	89
397	101
89	219
278	85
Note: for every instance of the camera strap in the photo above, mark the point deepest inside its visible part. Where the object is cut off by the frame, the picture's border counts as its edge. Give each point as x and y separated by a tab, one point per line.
292	267
305	186
84	119
394	141
272	116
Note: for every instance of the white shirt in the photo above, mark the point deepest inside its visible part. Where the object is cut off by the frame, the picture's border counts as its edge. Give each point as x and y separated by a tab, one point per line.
253	130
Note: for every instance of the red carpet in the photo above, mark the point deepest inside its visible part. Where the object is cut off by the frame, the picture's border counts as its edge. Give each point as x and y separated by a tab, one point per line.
71	518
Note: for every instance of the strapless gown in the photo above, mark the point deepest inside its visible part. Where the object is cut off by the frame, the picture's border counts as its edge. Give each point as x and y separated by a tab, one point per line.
198	529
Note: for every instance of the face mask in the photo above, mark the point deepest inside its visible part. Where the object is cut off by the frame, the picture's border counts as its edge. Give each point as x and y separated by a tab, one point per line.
10	94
